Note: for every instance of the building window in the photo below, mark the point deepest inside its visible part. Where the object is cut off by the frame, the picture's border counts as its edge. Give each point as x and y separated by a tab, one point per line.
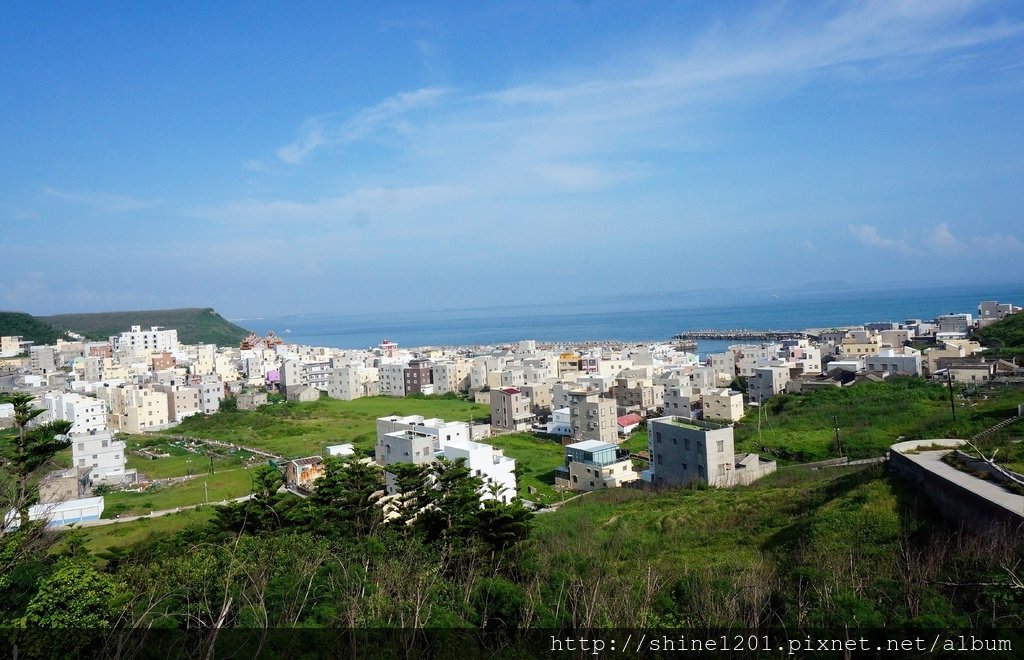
657	436
721	446
687	444
721	469
659	459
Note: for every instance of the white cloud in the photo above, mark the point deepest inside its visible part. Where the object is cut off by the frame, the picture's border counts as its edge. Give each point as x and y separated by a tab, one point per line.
938	240
388	114
102	203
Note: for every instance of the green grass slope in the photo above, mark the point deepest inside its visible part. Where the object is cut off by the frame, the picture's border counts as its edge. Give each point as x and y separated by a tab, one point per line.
29	328
1005	334
194	325
870	416
837	547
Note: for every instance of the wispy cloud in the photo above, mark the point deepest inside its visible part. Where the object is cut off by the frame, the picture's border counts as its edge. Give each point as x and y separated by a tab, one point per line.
358	208
389	114
577	121
938	240
102	203
868	235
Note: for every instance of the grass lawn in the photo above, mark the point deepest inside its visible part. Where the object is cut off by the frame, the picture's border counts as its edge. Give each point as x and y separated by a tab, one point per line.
871	416
102	538
224	484
538	457
181	461
302	429
637	441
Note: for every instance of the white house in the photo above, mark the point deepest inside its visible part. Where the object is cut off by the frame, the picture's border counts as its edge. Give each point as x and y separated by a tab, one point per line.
488	463
101	453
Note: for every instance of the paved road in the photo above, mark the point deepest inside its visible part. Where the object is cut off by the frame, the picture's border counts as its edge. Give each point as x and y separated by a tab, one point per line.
932	461
153	514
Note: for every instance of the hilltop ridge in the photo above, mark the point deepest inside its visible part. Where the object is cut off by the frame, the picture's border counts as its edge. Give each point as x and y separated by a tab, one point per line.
195	325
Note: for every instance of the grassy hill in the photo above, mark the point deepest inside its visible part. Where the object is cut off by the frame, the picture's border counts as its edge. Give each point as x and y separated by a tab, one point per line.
194	325
29	328
871	416
1004	335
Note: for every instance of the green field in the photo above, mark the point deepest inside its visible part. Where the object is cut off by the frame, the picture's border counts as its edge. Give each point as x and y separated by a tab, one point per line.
223	485
871	416
303	429
538	458
182	460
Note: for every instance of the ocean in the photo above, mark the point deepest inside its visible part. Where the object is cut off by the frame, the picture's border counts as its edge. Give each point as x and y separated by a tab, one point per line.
640	318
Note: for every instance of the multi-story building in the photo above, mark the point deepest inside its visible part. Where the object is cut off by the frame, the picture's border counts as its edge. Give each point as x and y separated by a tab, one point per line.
85	413
392	379
138	341
894	361
511	410
958	324
418	377
679	397
594	465
404	447
134	408
438	429
722	403
42	360
766	382
100	453
11	346
592	417
211	393
488	463
633	394
684	450
182	401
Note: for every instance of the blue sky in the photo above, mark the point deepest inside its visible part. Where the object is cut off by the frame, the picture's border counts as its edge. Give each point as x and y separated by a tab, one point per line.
275	158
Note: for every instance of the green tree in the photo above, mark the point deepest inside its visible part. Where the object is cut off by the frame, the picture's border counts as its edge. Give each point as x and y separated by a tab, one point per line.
346	498
33	447
76	595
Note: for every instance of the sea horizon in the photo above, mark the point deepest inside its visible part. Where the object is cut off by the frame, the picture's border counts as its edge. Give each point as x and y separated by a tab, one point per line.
640	319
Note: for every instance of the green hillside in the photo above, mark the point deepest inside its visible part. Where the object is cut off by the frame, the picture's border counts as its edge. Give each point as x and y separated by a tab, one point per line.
194	325
29	328
1006	334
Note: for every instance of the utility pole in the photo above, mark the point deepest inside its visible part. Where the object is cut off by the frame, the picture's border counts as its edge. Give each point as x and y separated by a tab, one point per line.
206	491
835	424
949	382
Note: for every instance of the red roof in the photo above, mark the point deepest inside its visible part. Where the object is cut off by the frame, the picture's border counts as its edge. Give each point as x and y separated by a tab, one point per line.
631	418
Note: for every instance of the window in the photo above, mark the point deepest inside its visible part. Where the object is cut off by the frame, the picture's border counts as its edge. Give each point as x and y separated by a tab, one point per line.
103	443
687	444
657	436
721	445
81	446
721	469
659	459
685	466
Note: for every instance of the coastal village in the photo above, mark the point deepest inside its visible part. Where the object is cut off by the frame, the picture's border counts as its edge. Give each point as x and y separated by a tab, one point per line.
591	398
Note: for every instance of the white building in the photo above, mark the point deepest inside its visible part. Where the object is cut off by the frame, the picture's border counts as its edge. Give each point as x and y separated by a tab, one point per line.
101	453
488	463
85	413
440	430
60	513
137	340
